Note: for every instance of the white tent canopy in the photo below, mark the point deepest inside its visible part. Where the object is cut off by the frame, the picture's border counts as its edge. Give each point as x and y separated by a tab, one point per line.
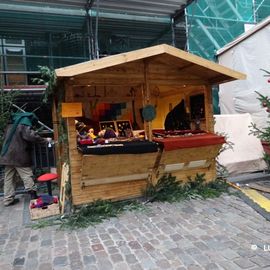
246	153
249	53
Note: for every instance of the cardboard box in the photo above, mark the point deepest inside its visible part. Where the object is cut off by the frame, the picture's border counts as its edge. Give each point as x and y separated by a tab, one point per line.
37	213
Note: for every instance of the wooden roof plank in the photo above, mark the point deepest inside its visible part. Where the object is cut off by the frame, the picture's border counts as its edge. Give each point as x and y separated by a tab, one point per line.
210	71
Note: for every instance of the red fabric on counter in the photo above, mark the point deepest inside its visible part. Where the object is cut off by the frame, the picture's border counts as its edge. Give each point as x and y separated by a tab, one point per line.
173	143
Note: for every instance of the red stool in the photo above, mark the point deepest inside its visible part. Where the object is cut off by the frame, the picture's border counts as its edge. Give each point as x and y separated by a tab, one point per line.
48	177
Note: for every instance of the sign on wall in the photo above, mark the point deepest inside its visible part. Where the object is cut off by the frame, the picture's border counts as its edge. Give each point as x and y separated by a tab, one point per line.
72	109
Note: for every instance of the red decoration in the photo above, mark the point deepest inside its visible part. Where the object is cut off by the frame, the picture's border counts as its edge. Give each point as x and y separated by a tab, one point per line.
174	143
47	177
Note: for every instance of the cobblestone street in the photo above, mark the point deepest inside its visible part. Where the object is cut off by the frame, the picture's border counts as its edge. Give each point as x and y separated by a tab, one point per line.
222	233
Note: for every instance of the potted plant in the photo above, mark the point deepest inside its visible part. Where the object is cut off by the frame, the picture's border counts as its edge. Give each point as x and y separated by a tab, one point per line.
264	133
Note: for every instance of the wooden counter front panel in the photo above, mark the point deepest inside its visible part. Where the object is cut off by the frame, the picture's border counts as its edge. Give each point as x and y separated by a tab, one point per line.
186	156
105	169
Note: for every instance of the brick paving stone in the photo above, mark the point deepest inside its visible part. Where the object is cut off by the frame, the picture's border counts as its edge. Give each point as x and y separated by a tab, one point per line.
19	261
113	250
176	237
60	261
121	266
228	265
31	264
135	267
134	245
59	243
261	261
230	254
192	251
124	249
147	264
194	267
177	251
201	246
32	254
104	264
61	251
4	236
186	259
46	243
200	258
148	247
34	238
244	263
211	266
45	266
75	265
131	259
163	264
6	267
89	259
97	247
116	258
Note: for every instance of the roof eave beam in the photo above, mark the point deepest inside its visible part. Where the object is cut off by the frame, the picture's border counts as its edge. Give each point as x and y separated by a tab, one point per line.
81	13
37	9
130	17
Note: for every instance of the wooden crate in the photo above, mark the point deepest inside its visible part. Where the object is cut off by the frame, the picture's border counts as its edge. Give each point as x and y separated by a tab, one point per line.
37	213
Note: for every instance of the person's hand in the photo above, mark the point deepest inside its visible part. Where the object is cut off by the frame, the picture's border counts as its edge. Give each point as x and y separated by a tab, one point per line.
49	140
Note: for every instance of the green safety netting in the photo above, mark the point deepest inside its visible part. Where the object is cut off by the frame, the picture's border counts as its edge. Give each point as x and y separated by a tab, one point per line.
211	24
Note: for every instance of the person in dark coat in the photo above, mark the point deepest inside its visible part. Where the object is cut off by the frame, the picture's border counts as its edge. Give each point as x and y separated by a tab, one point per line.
16	154
177	118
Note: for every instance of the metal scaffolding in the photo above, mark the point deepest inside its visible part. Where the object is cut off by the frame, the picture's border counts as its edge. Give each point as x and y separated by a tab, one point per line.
213	23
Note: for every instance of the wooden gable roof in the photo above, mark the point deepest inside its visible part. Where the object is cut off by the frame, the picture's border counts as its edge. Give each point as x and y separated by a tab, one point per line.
162	60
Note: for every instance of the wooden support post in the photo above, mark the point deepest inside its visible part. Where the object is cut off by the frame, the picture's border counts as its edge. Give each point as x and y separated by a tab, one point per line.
55	119
146	98
208	108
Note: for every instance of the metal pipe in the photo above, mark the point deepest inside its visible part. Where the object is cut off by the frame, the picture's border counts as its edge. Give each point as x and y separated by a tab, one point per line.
234	10
187	32
96	32
254	11
81	13
88	7
208	34
47	158
50	51
215	18
43	56
40	156
173	31
258	7
92	36
20	109
88	35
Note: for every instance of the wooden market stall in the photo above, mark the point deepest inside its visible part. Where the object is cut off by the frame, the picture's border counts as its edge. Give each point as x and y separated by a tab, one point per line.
115	92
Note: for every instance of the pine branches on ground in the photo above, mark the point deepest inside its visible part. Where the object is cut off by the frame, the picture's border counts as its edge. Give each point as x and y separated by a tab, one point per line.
171	190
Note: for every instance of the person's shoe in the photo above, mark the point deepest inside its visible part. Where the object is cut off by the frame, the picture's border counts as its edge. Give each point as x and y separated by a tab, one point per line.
9	203
33	194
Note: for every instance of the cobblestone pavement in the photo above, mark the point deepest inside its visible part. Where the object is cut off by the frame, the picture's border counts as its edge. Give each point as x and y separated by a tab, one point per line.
222	233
